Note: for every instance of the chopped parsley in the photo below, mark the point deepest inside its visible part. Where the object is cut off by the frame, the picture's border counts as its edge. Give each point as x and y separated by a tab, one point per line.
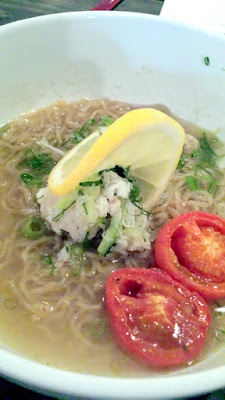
207	158
89	127
134	196
37	165
32	180
84	131
35	160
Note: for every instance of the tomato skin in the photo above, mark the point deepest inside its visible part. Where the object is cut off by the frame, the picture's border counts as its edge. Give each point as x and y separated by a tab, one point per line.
191	249
154	318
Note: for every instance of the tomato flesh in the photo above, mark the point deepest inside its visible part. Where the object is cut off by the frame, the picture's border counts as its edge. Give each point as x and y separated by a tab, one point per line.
202	253
191	248
155	318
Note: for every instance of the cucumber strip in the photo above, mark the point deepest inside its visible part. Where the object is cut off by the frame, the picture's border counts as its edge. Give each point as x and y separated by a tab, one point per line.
112	232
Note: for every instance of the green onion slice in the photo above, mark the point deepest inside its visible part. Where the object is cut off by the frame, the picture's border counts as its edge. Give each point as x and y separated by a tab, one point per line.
34	228
10	304
98	328
206	61
4	128
107	121
192	182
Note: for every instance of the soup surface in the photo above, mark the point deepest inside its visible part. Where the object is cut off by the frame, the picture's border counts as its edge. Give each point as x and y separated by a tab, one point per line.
56	314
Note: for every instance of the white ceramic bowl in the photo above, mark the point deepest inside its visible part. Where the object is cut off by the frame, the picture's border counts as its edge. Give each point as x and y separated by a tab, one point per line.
131	57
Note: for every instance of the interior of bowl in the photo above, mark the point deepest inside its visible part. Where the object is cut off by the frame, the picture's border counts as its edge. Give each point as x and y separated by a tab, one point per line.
145	60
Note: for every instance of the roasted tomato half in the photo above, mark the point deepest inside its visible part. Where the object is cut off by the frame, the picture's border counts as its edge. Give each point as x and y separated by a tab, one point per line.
155	318
191	248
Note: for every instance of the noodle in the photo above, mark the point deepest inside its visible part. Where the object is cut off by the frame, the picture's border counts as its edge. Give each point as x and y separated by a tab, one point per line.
63	299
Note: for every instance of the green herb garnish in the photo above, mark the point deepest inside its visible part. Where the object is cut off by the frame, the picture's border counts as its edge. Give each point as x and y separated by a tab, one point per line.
58	216
107	121
207	155
182	162
220	335
78	137
86	242
48	260
134	196
10	304
34	228
37	165
88	127
32	180
77	249
192	182
202	176
4	128
75	252
91	183
206	61
35	160
84	131
85	208
98	328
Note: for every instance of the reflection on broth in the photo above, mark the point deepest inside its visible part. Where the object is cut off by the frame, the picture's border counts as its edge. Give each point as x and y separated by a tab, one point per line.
52	294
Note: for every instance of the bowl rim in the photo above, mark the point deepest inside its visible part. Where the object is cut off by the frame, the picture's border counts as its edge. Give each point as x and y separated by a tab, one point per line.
53	380
111	14
40	377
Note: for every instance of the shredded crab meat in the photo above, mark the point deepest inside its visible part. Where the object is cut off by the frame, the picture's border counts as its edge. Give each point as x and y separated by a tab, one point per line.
76	221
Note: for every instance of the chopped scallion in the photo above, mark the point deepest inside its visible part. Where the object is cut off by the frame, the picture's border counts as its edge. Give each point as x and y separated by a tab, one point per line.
58	216
32	180
134	196
182	162
192	182
78	137
48	260
10	304
91	183
86	241
75	252
77	249
85	208
196	153
206	61
220	335
107	121
35	160
98	328
34	228
83	132
37	165
208	156
4	128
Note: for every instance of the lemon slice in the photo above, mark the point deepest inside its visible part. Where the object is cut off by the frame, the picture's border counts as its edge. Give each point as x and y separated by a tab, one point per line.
147	140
